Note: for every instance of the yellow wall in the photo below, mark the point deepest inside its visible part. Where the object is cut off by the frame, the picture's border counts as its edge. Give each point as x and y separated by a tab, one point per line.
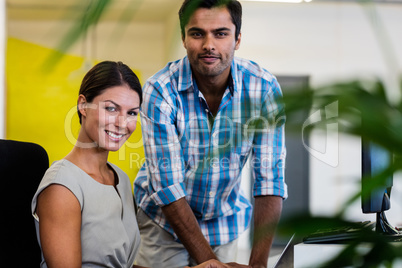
41	107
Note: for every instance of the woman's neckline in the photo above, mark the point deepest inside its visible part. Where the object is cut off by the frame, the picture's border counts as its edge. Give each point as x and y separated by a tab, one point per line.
116	177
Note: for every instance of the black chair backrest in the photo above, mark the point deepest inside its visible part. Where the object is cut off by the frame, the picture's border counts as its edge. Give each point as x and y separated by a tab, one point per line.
22	166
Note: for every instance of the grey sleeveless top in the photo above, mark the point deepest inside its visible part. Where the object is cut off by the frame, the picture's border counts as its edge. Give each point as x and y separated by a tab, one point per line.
109	230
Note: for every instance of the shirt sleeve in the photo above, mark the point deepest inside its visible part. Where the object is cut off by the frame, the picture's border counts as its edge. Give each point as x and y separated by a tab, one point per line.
163	153
269	151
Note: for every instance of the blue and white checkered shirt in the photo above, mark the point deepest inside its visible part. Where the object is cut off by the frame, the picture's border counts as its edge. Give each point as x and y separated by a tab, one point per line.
192	154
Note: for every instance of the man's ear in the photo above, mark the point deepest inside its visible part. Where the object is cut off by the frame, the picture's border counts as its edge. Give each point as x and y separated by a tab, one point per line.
238	41
82	105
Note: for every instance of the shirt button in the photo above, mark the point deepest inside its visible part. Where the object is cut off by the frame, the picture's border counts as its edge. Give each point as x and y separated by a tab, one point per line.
211	194
206	110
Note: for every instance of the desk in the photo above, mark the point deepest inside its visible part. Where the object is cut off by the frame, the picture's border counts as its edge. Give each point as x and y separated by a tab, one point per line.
312	255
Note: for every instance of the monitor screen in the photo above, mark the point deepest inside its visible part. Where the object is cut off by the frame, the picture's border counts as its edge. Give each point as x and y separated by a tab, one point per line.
375	160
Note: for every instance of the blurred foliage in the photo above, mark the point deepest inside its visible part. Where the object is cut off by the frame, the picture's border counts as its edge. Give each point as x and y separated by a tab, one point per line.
362	110
88	17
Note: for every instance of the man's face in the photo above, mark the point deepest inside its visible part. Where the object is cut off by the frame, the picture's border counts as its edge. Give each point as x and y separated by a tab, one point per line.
210	41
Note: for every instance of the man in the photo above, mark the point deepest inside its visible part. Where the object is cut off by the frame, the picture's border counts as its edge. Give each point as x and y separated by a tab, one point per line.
202	117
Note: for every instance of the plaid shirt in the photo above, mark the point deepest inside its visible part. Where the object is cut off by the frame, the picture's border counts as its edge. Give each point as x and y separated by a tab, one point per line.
193	154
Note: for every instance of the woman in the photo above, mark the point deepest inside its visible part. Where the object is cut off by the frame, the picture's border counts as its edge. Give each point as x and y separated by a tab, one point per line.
83	207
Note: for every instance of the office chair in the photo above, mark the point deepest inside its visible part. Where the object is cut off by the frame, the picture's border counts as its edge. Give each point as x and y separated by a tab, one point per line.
22	166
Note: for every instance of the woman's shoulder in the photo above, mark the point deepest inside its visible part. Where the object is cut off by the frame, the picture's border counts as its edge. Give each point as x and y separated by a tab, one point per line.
64	173
59	168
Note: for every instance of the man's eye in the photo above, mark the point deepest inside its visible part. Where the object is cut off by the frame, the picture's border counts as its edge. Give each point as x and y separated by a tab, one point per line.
196	35
221	34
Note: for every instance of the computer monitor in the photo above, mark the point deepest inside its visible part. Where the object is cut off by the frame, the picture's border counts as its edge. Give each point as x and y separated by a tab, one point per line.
375	161
376	170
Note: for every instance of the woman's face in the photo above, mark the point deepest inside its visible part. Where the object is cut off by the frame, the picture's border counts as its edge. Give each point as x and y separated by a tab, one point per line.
109	120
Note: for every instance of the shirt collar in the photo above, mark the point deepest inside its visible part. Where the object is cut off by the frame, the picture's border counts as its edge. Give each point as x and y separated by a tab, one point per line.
186	77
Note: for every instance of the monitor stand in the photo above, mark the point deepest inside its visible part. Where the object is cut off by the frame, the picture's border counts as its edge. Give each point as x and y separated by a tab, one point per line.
383	226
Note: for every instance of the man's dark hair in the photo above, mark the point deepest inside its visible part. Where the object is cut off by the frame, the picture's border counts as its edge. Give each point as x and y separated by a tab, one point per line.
190	6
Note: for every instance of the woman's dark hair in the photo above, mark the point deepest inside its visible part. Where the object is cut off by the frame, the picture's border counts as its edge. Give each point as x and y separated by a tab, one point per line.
190	6
108	74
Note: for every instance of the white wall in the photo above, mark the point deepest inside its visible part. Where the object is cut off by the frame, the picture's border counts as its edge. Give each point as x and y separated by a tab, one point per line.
326	40
2	65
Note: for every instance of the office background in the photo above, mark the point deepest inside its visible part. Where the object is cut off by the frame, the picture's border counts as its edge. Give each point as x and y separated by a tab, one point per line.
326	41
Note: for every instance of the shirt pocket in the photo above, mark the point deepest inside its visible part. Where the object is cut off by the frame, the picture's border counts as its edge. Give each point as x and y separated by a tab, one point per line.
242	139
242	142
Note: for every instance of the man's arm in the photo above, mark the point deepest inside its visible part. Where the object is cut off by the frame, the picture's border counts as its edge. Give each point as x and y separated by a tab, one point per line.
267	211
269	154
182	219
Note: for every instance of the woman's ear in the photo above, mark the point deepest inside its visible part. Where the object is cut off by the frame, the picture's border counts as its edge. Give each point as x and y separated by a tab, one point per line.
82	105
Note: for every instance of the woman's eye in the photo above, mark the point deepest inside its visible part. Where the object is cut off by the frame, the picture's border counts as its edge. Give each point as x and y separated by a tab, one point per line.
133	113
110	109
